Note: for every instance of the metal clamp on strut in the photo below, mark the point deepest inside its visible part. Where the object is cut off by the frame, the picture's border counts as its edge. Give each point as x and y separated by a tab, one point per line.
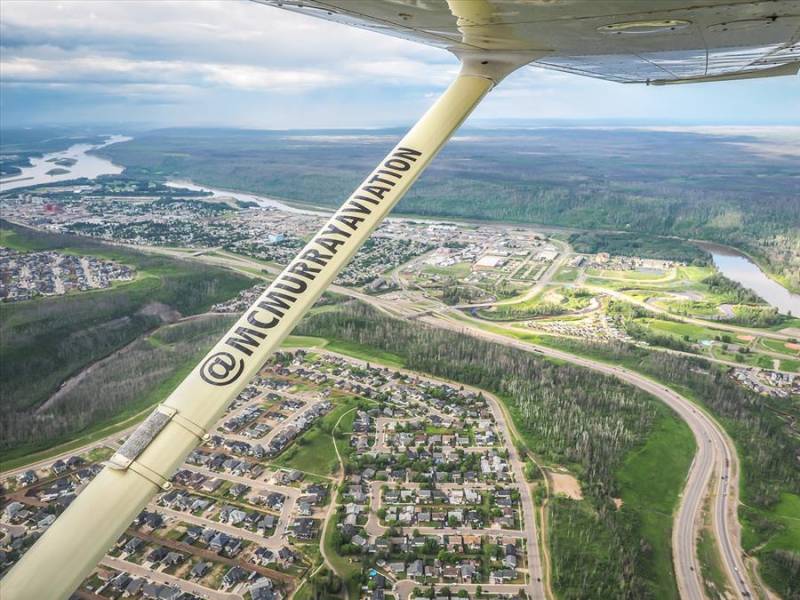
125	457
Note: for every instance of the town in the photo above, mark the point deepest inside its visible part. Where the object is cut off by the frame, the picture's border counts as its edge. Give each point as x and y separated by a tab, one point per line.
26	275
430	492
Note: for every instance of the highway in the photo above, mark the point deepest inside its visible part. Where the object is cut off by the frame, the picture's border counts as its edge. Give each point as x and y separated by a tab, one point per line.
715	457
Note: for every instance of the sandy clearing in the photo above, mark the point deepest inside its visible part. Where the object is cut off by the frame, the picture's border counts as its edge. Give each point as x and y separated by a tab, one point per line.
566	484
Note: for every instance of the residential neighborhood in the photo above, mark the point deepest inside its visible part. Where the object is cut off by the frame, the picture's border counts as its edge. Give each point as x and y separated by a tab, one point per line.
30	274
428	493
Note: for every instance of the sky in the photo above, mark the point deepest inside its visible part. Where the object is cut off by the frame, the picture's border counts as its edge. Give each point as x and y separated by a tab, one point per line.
237	63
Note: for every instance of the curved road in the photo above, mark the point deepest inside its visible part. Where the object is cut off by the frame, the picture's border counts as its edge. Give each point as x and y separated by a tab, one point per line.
714	457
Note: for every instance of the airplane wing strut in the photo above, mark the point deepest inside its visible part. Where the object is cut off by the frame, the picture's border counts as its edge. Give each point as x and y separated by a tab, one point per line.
59	561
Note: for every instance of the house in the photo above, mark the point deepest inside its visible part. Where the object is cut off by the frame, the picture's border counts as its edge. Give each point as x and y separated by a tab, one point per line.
502	576
174	558
157	555
304	528
397	567
265	524
73	462
46	521
234	576
451	572
219	541
134	587
27	478
261	589
200	569
415	569
13	509
238	489
286	556
263	556
211	485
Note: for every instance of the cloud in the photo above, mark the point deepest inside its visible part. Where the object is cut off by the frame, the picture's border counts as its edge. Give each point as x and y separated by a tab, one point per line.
112	70
232	62
223	45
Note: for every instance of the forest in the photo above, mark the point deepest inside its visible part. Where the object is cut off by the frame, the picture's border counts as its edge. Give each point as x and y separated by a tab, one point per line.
644	246
665	183
577	417
766	443
46	341
568	415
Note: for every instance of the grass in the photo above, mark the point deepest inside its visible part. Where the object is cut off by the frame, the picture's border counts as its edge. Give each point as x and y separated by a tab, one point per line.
566	275
651	480
349	572
313	452
787	511
778	346
303	341
715	580
15	241
783	537
790	365
457	271
680	329
365	353
634	276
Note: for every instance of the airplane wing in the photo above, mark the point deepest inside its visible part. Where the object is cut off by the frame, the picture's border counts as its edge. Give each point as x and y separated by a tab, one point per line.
628	41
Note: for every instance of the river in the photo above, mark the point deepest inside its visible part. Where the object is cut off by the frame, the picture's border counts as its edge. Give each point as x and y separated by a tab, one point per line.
738	267
731	263
85	165
261	201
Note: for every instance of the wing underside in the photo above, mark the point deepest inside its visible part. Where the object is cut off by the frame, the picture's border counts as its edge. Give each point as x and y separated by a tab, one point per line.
628	41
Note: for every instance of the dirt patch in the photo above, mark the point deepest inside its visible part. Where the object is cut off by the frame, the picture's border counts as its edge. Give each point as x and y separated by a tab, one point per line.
566	484
745	338
618	502
792	346
165	313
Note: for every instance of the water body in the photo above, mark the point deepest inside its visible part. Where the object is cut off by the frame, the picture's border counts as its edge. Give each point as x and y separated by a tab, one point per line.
242	197
736	266
86	165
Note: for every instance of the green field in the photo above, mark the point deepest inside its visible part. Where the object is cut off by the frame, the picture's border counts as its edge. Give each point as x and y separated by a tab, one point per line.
779	545
566	275
457	271
550	302
681	329
634	276
714	578
779	346
790	365
313	452
366	353
651	480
